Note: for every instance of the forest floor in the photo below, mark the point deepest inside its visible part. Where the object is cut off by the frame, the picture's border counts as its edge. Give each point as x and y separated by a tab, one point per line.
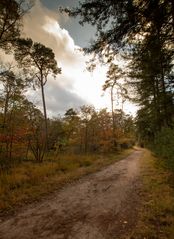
108	204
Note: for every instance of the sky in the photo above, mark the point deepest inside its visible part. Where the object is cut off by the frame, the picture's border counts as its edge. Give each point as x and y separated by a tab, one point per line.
81	34
75	86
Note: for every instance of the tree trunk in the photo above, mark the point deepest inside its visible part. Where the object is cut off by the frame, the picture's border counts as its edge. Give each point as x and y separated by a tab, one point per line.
113	116
4	118
156	103
45	112
86	135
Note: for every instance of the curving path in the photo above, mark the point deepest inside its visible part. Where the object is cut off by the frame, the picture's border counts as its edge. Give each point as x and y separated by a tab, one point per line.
102	205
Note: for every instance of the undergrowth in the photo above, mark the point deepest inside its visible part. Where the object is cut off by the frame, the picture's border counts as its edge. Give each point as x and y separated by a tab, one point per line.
157	211
28	181
164	147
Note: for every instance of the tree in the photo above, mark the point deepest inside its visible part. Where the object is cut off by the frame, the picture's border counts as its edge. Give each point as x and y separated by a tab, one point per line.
113	19
42	59
71	120
57	134
35	133
103	131
118	22
114	75
11	13
86	113
144	31
151	73
13	88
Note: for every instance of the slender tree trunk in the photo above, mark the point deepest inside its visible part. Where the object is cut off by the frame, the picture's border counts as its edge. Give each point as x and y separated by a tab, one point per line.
4	117
164	99
113	116
86	135
12	116
45	112
156	103
5	109
164	95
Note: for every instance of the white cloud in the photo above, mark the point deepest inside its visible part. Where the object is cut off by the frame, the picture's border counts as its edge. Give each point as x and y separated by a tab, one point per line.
75	86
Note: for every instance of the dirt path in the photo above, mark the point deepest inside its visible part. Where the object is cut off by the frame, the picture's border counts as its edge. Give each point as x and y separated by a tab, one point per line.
99	206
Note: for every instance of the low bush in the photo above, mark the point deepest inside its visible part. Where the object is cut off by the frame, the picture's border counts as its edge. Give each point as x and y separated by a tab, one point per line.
164	146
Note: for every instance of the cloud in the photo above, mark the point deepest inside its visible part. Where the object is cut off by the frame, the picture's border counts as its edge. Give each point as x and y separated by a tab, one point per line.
60	99
75	86
42	25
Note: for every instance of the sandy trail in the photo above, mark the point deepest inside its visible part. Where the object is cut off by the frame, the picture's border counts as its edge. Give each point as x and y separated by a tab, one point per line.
99	206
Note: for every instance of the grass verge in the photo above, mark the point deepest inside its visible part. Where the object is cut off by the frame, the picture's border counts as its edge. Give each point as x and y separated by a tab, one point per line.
30	181
157	211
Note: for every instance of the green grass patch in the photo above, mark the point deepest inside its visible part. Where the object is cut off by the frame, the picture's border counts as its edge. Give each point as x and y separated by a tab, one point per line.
157	211
29	181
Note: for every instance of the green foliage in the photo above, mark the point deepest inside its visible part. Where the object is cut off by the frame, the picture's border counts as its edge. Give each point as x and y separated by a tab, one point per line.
33	54
11	13
164	146
9	22
113	20
151	74
118	22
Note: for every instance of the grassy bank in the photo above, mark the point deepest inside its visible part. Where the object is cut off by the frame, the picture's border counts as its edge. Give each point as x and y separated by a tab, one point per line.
29	181
157	211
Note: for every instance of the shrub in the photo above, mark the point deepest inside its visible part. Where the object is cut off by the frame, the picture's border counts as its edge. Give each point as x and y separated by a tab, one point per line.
164	146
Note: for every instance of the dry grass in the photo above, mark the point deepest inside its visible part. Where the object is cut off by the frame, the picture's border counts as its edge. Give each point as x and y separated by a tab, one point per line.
30	181
157	212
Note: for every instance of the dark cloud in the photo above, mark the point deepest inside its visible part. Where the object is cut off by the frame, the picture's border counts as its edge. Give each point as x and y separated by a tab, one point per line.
59	99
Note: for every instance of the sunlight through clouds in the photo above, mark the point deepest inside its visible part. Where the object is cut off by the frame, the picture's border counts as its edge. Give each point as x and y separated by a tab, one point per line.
75	86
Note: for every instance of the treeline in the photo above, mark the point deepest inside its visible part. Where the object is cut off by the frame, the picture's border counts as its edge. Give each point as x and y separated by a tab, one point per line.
152	74
142	33
78	131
